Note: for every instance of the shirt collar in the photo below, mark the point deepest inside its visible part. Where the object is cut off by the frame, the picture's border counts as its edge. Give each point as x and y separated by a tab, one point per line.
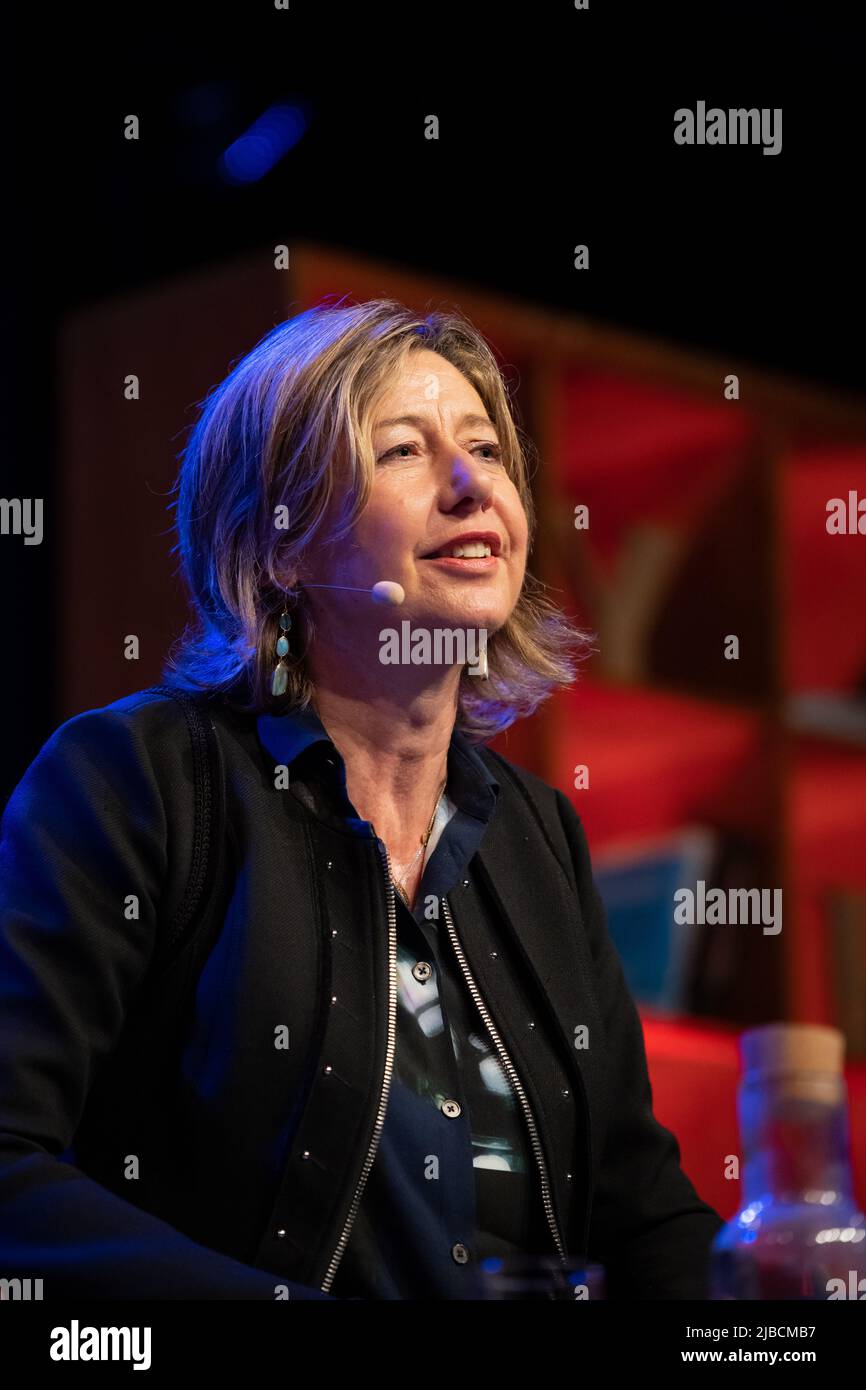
287	735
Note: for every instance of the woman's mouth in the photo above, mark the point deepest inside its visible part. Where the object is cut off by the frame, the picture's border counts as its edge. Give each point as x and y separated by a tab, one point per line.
464	564
467	555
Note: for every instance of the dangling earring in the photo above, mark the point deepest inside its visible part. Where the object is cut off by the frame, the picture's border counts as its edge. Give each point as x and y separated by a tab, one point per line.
280	679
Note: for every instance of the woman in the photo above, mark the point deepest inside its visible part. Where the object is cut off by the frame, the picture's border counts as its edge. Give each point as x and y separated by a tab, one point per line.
403	1044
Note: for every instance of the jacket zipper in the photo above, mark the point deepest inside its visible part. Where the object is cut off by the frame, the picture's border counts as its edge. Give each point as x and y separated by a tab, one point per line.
386	1078
516	1084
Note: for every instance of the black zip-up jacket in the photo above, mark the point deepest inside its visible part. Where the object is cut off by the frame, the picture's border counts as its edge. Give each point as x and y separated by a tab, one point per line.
207	1133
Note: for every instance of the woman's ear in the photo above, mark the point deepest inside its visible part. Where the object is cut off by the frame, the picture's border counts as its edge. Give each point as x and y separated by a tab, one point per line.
287	573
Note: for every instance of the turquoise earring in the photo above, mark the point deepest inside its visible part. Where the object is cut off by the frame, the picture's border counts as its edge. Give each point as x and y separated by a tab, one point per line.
280	679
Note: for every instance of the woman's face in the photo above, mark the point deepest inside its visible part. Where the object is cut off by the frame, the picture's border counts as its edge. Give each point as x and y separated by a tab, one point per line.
438	477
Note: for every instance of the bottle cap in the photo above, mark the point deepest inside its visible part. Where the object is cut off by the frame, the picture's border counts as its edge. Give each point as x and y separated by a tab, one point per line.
808	1057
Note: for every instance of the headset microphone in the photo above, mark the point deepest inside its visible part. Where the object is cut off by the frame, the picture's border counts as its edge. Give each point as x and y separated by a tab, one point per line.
386	591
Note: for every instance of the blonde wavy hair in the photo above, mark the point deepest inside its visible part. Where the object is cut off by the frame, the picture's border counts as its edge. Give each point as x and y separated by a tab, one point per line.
291	426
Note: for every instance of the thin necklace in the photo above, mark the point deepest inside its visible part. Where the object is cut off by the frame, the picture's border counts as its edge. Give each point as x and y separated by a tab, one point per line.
399	883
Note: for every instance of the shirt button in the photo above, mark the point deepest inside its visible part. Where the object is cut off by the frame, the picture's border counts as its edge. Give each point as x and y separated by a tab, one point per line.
459	1254
451	1108
422	971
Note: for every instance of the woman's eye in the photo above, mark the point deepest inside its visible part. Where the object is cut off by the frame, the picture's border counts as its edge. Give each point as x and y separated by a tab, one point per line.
392	452
494	449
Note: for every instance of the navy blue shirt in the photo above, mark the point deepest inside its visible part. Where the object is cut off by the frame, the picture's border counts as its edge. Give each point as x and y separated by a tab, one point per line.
454	1180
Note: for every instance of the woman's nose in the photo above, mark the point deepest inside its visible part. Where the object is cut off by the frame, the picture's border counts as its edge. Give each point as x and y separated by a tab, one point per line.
470	479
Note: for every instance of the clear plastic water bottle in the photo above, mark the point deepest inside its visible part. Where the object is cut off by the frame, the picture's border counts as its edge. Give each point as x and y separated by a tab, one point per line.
798	1233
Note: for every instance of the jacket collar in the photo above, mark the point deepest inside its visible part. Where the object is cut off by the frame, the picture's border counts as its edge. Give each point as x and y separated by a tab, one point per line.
472	785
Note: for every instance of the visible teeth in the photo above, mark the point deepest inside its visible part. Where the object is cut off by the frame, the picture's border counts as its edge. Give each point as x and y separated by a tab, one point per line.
472	550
